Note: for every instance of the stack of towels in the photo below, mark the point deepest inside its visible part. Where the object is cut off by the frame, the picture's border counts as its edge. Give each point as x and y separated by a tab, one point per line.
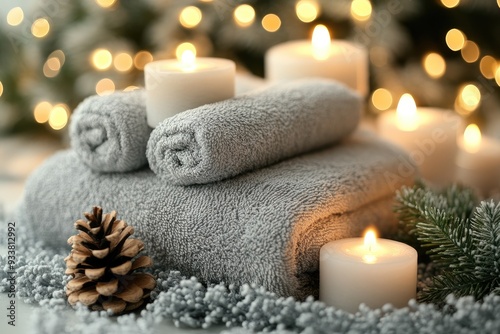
245	190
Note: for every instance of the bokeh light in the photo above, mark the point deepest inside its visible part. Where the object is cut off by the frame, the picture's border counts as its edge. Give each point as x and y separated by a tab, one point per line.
244	15
469	98
382	99
101	59
15	16
40	28
271	22
307	10
488	67
434	65
497	76
472	138
190	17
51	67
58	117
105	3
105	86
142	58
450	3
361	10
470	52
455	39
1	88
42	111
130	88
123	62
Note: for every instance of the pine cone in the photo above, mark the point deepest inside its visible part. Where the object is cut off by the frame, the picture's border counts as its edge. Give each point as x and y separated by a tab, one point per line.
102	265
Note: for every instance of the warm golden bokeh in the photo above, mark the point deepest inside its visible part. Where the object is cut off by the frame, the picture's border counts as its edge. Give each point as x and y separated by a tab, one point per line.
190	17
271	22
470	52
450	3
15	16
101	59
142	58
382	99
105	86
468	99
244	15
105	3
455	39
42	111
40	28
488	67
123	62
307	10
361	10
434	65
58	117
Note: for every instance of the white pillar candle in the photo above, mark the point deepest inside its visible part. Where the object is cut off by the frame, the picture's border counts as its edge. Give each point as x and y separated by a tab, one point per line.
478	161
427	134
339	60
370	271
173	86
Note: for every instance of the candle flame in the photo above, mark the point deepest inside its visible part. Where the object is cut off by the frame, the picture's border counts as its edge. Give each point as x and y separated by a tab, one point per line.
321	42
186	54
407	113
472	138
370	239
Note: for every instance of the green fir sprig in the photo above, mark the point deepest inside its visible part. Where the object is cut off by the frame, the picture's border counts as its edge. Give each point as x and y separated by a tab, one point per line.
461	237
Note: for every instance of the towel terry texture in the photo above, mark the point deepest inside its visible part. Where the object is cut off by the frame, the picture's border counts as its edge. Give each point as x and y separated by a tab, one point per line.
264	227
110	133
226	138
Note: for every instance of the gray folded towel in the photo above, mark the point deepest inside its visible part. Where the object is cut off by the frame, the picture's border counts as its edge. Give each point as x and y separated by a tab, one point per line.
264	227
226	138
110	133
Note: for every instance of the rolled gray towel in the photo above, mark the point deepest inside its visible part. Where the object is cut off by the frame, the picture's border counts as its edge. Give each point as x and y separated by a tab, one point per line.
110	133
224	139
264	227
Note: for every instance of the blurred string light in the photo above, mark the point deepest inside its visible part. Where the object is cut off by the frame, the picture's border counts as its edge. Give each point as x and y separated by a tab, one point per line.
54	63
434	65
42	111
40	28
105	86
105	3
58	117
15	16
1	88
382	99
123	62
361	10
271	22
455	39
244	15
190	17
101	59
470	52
141	58
468	99
488	66
307	10
450	3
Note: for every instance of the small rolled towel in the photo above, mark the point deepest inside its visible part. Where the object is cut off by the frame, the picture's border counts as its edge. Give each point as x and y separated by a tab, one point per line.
224	139
264	227
110	133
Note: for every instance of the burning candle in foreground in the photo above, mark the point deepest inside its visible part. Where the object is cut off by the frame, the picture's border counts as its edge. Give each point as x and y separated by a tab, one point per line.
367	270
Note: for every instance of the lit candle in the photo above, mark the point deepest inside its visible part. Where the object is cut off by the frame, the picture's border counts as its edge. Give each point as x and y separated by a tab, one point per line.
427	134
173	86
367	270
478	161
321	57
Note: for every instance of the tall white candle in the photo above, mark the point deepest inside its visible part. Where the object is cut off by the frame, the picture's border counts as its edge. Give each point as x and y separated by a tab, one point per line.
339	60
427	134
173	86
367	270
478	161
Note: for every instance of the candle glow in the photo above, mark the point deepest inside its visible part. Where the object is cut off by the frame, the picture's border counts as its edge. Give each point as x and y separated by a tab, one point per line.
472	138
407	117
321	42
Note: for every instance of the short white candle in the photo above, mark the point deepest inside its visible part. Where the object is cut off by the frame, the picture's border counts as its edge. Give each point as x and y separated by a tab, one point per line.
339	60
427	134
367	270
173	86
478	161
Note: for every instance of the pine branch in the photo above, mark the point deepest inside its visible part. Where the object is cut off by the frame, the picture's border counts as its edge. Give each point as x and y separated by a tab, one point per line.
462	240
